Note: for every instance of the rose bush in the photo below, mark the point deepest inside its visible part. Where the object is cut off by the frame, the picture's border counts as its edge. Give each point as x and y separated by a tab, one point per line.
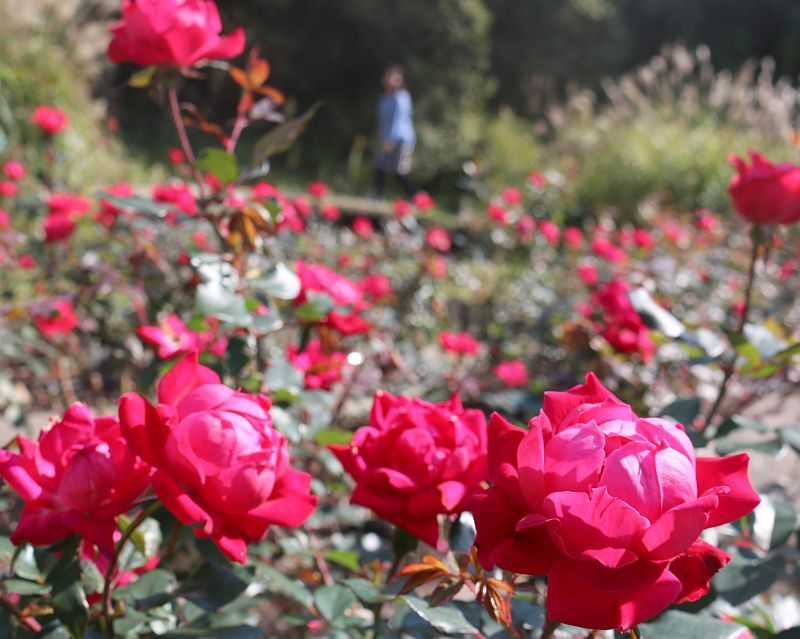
608	505
218	460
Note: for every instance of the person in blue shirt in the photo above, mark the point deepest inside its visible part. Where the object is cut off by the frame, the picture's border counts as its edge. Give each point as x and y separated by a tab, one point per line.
396	137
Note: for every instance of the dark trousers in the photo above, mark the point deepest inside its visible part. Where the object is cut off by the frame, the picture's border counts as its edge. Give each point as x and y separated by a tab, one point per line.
406	183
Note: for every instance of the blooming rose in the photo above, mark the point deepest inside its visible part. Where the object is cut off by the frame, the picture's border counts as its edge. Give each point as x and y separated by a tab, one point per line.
765	193
219	462
346	323
76	478
511	196
526	228
58	319
330	212
497	213
459	343
171	337
377	287
549	231
317	189
608	505
438	239
416	460
573	237
401	208
321	369
512	373
621	326
171	32
537	179
423	201
362	226
177	194
320	279
14	170
49	119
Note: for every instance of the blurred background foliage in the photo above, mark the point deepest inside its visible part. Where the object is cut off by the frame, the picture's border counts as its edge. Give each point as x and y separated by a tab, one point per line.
583	86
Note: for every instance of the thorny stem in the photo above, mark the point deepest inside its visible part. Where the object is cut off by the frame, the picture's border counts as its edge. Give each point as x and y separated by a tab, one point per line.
730	366
112	565
177	120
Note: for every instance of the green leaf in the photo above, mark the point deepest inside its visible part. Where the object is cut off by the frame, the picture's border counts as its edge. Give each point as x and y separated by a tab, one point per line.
212	586
675	624
69	600
221	632
279	282
329	436
791	435
775	519
143	78
280	138
683	410
332	601
279	583
137	538
403	543
137	204
219	163
445	619
366	591
152	588
213	298
747	576
346	558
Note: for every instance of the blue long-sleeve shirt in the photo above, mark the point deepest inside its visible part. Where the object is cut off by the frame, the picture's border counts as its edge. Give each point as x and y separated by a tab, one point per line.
396	117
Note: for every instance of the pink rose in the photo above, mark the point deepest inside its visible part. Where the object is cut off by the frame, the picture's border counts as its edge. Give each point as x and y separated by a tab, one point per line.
58	227
177	194
511	196
401	208
76	478
416	460
14	170
459	343
497	213
588	273
573	238
330	212
608	505
765	193
321	368
512	373
320	279
537	179
438	239
549	231
177	33
423	201
362	226
347	323
50	120
317	189
526	228
219	461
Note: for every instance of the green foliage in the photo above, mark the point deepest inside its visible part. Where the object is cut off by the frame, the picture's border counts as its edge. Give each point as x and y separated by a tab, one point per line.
40	66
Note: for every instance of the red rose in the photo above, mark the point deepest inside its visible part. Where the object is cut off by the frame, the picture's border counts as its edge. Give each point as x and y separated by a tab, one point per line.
59	319
550	231
621	326
362	226
219	462
49	119
416	460
765	193
526	228
459	343
497	213
317	189
573	237
171	32
608	505
320	279
76	478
